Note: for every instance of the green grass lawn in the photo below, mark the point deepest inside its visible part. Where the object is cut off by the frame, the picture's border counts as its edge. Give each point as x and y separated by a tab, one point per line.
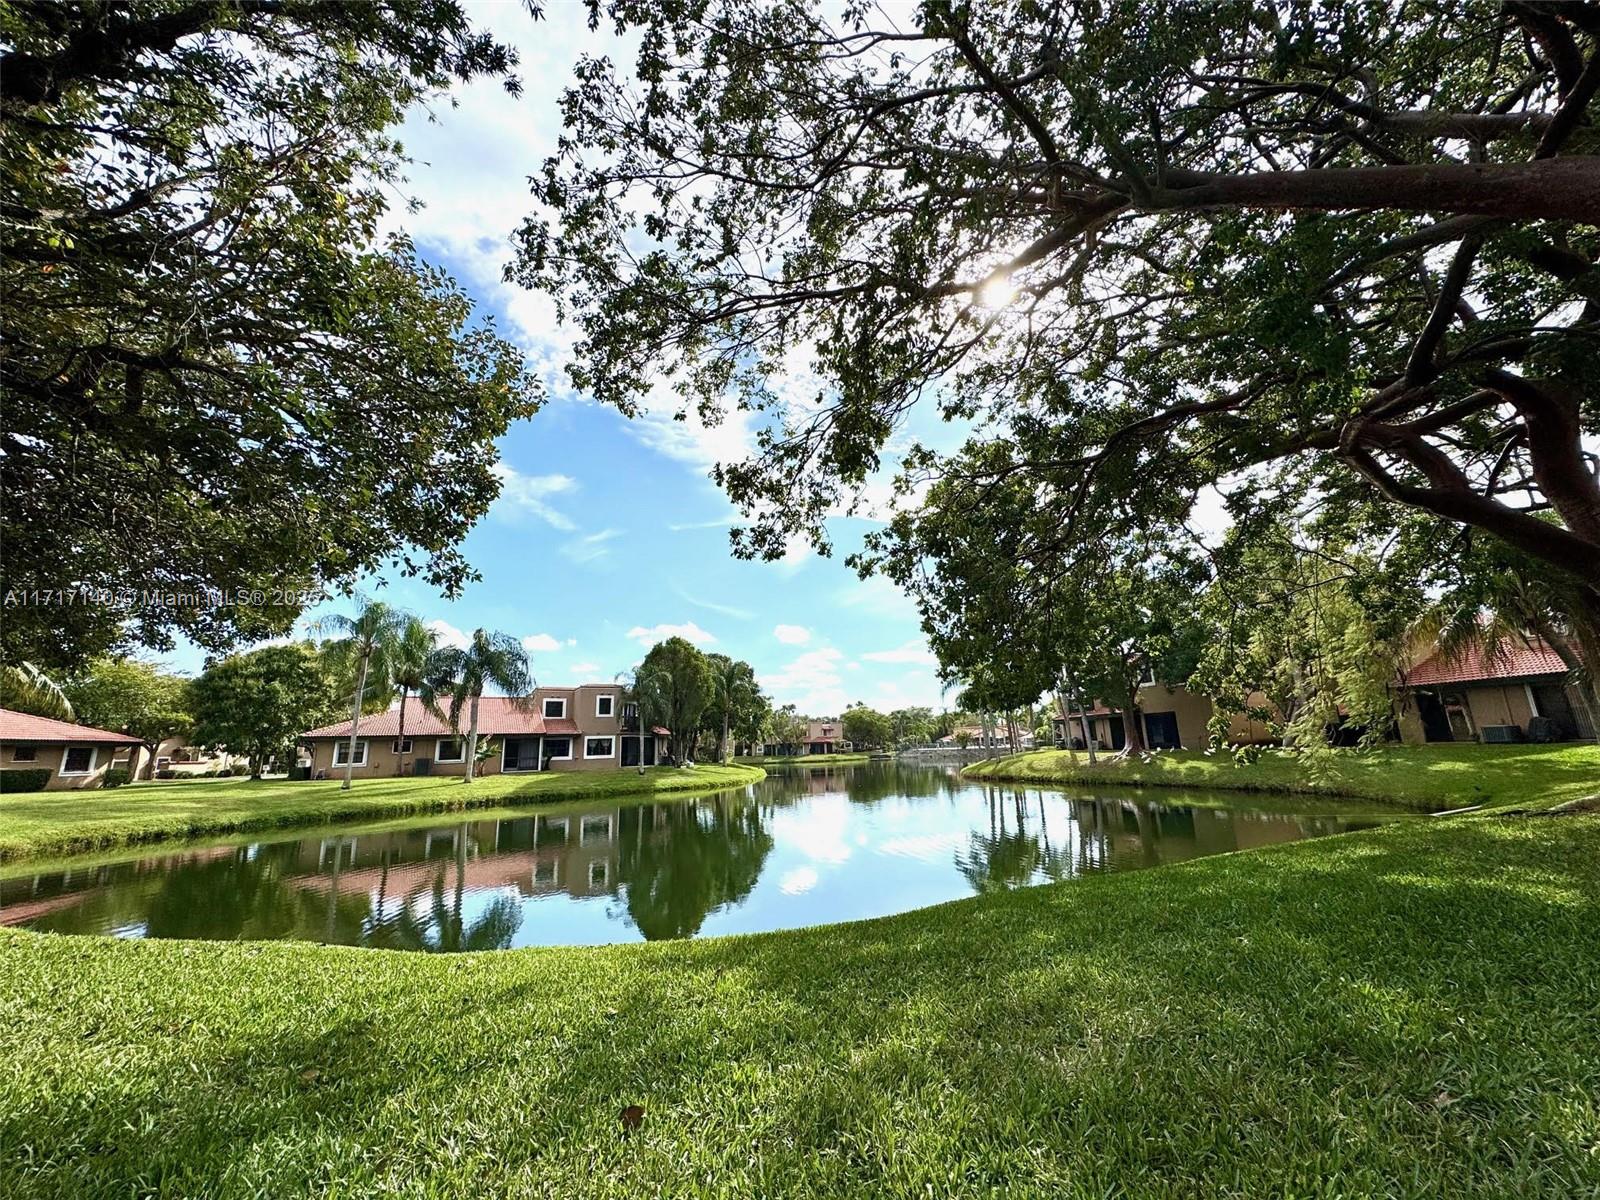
36	823
1410	1012
1439	776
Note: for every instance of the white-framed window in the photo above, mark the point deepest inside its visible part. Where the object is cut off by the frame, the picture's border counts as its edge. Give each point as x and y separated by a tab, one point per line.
555	706
594	829
450	750
79	760
605	706
544	873
24	754
598	873
402	745
558	748
341	753
600	747
553	831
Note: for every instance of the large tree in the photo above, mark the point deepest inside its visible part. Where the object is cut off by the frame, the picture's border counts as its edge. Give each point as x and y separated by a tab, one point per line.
462	674
676	684
1140	246
259	702
223	389
736	699
134	697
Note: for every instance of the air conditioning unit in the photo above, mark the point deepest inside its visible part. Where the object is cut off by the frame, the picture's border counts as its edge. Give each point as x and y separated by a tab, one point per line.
1501	733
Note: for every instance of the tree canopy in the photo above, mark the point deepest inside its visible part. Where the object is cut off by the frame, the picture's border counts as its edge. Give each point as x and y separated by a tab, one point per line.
133	697
259	702
219	378
1324	250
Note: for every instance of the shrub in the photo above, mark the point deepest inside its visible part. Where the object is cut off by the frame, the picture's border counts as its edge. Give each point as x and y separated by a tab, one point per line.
31	779
116	777
223	773
166	773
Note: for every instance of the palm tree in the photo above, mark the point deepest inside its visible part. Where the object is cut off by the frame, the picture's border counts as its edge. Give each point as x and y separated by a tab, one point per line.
733	686
412	670
633	693
365	643
25	688
495	660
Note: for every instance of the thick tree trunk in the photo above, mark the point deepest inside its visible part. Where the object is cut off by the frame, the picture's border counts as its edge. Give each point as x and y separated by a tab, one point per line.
1552	188
400	735
355	722
472	740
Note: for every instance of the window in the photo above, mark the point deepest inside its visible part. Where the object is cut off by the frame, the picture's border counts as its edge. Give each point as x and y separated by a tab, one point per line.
605	706
552	832
594	829
402	745
600	747
341	753
24	754
544	874
450	750
597	874
1147	674
555	707
78	760
558	747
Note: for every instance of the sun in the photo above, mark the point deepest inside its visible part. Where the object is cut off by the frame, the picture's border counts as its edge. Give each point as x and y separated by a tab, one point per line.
997	292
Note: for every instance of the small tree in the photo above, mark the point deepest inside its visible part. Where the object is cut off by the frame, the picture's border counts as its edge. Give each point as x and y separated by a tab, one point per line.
865	727
412	670
364	647
257	703
495	660
734	694
133	697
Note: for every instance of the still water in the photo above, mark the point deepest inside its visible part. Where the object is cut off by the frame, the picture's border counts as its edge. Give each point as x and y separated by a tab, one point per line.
807	846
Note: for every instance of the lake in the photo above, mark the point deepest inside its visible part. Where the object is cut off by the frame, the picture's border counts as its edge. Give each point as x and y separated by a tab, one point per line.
807	846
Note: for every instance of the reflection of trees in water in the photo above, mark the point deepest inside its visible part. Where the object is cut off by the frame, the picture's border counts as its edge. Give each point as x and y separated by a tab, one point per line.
1009	855
441	925
680	862
252	895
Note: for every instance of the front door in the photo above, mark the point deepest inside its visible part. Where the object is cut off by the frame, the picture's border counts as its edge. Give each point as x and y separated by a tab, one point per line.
520	754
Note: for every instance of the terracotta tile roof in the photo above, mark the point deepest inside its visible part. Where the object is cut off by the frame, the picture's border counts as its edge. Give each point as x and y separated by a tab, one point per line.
25	727
1474	664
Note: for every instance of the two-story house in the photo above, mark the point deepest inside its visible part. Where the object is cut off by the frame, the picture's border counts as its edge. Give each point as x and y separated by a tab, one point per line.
584	728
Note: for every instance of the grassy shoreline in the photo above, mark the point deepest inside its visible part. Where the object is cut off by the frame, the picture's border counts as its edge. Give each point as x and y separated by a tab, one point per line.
1425	777
1407	1011
35	824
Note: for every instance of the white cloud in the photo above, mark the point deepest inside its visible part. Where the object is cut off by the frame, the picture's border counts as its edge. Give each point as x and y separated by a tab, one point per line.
540	643
530	494
811	682
792	635
590	546
584	668
726	610
914	651
449	635
689	631
877	596
726	522
798	881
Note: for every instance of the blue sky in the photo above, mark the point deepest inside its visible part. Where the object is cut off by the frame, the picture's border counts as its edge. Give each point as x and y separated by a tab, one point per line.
608	534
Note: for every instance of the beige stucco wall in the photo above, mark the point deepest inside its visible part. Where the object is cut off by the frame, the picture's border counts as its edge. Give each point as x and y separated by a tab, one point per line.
106	756
382	762
1499	704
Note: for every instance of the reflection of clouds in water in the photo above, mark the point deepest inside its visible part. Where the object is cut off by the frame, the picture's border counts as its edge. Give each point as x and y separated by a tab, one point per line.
928	847
798	881
817	833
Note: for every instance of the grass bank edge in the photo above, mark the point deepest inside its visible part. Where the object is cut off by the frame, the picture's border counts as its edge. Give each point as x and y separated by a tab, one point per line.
1440	777
224	808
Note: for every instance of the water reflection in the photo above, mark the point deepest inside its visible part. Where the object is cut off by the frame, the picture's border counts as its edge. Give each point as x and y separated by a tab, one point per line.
808	846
